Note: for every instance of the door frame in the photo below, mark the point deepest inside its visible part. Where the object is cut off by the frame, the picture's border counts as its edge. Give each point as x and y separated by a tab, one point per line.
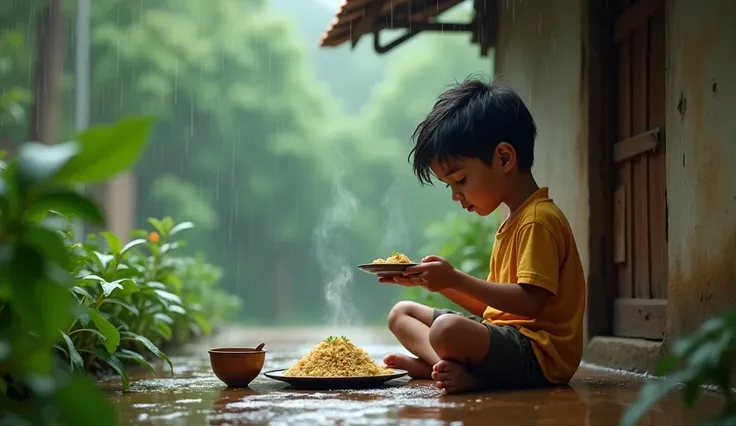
600	61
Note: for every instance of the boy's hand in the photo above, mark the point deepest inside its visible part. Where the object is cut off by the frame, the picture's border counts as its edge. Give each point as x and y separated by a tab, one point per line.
434	273
405	281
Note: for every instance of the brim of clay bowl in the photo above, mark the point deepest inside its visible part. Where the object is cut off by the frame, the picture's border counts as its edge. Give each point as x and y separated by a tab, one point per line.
235	351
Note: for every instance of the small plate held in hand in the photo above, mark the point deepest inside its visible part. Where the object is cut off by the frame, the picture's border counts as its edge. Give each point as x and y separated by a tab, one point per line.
385	269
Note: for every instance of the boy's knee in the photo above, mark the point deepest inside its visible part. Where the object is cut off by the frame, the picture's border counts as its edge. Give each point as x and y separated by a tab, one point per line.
403	309
445	331
399	310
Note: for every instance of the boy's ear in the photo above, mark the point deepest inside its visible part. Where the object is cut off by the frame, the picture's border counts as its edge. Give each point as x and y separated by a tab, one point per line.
506	154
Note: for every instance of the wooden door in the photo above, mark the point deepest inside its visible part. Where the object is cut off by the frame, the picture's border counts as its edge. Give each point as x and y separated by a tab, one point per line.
640	199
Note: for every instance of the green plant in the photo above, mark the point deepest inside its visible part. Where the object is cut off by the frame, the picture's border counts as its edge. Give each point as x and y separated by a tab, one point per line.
137	297
707	357
12	98
200	290
466	243
37	194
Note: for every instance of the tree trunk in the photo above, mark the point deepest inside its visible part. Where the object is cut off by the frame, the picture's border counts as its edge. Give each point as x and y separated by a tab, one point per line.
43	119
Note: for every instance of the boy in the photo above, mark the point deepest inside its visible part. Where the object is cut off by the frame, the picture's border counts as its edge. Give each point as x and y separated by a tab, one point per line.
527	327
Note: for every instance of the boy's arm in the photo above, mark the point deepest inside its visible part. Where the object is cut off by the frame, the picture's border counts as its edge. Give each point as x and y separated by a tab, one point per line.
518	299
466	302
537	275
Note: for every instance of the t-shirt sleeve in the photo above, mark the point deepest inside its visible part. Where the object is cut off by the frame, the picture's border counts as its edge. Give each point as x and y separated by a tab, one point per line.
538	257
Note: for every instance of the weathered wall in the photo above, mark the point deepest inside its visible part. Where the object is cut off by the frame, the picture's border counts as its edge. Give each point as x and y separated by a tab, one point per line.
539	53
701	161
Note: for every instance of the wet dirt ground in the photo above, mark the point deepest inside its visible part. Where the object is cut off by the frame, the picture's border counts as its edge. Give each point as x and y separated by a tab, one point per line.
194	396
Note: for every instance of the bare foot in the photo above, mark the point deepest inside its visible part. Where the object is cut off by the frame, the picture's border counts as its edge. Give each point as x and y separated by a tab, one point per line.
416	368
454	377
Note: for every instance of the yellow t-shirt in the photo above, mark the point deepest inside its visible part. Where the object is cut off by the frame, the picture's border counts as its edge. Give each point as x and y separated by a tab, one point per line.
536	246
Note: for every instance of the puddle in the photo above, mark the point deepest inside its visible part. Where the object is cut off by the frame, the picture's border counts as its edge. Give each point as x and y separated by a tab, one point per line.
196	397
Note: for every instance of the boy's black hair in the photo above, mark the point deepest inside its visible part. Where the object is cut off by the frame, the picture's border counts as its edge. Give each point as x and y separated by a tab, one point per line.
469	120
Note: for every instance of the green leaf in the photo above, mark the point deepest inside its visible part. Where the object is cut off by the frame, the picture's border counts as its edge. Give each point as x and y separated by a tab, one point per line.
156	284
157	225
68	203
135	356
103	258
112	336
160	316
163	329
39	162
692	391
107	150
90	330
180	227
132	309
44	307
132	244
82	292
125	285
666	365
81	402
176	309
150	346
113	242
168	225
167	297
75	359
49	245
202	322
115	363
108	288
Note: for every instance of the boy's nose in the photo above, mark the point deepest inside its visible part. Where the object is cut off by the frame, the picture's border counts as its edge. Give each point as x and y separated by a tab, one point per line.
457	196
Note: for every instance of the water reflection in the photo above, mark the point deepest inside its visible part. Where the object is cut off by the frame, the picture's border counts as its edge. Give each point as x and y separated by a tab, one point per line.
195	397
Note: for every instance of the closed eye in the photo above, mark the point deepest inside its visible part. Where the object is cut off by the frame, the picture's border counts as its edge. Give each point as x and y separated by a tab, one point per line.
458	182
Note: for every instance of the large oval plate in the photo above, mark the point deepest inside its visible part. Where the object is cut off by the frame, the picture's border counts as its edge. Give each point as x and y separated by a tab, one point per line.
387	269
352	382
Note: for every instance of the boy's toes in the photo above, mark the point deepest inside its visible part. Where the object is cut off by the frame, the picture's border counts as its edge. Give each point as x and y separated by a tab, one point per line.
443	384
390	360
442	366
440	376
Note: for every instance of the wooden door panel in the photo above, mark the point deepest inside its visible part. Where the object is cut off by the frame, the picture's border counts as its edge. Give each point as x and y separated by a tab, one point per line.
640	230
625	277
640	163
657	159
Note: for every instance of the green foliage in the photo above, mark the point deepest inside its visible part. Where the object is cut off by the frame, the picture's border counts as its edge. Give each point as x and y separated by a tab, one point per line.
248	138
706	357
39	280
466	242
138	296
331	339
70	307
13	97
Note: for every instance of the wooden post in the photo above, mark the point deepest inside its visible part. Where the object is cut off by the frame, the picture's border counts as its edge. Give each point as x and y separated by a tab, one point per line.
43	118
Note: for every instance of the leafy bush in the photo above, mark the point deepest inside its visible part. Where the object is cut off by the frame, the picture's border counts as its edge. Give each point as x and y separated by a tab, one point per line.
707	357
68	308
135	298
466	243
36	271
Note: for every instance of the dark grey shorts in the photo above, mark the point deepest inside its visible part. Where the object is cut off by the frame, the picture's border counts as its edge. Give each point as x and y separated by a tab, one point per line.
510	362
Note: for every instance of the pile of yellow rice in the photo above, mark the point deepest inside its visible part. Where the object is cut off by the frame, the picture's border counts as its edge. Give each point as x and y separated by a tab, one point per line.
337	357
396	257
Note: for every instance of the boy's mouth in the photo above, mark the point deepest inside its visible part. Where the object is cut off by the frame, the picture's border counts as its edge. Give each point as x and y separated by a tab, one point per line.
469	207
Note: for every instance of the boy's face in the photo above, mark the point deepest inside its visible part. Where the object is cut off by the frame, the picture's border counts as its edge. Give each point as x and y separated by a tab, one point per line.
476	186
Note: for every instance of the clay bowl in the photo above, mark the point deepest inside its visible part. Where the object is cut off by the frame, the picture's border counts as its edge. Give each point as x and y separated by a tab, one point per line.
237	367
